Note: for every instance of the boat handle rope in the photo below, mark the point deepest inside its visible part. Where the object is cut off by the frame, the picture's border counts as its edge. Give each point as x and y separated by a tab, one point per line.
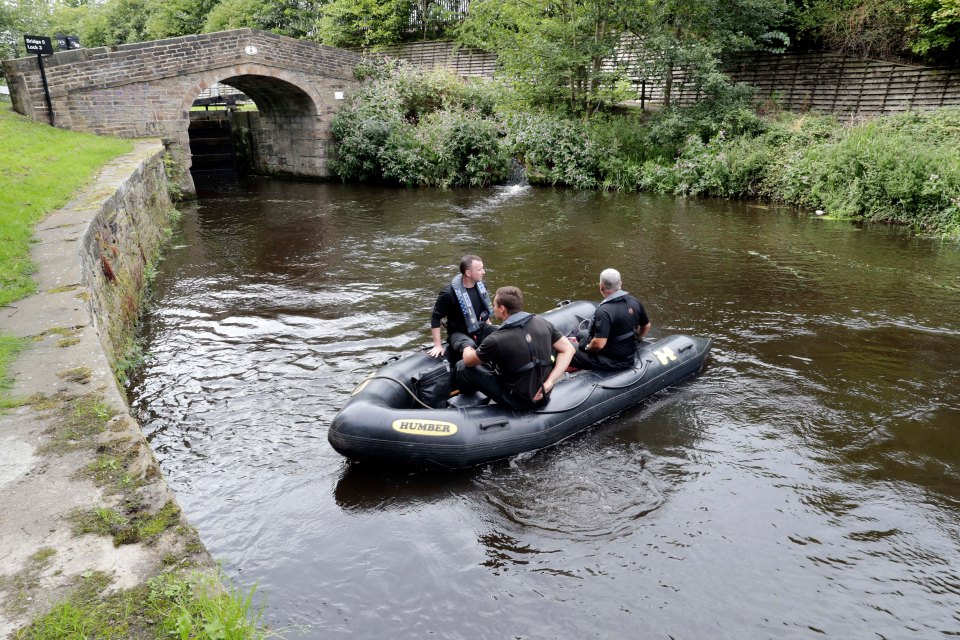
585	398
405	388
624	386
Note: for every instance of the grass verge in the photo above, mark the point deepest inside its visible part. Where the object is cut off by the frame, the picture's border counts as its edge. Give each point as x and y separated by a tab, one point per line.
41	167
171	605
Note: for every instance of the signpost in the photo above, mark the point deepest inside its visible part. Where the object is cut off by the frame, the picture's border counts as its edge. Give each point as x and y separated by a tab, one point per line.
38	44
41	45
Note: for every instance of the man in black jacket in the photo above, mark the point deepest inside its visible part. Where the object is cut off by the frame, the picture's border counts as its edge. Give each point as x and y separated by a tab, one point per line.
618	323
467	308
513	366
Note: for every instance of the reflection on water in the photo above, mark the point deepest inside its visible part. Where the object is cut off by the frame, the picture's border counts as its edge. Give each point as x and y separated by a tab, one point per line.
807	484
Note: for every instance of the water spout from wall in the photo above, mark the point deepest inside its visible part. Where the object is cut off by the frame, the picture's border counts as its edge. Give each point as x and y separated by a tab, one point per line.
518	174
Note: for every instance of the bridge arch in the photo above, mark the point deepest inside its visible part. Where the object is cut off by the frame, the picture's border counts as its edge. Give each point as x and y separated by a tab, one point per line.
267	86
289	135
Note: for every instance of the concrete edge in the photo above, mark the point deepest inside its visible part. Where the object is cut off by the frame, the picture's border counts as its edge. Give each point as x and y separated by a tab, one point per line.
91	258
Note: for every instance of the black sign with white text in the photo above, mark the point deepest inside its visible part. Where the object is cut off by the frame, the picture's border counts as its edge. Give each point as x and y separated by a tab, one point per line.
65	43
38	44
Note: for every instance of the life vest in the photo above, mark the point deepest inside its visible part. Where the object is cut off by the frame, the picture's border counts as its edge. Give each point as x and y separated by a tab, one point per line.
473	323
519	320
619	296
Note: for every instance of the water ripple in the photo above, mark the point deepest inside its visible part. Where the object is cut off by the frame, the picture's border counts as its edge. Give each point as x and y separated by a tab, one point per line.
575	496
806	483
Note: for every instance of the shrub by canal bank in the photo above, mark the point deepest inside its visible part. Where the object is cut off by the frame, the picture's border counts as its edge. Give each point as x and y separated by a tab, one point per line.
427	128
94	542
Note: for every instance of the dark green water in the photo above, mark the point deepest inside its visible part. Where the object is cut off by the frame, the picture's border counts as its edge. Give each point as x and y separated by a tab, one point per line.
805	485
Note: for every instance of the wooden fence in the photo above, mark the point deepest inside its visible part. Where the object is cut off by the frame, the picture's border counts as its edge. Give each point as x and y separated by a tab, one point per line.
464	62
817	81
846	85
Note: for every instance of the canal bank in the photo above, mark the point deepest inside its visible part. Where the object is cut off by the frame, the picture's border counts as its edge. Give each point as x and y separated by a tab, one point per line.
82	502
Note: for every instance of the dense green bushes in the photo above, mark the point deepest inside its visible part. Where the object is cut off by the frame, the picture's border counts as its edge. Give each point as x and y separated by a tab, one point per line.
902	169
412	128
417	128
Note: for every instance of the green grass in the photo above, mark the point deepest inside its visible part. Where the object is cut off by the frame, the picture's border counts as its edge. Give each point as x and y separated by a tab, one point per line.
41	168
172	605
77	423
9	348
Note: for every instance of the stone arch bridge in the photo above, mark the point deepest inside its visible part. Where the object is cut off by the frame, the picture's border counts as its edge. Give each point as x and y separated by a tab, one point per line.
147	89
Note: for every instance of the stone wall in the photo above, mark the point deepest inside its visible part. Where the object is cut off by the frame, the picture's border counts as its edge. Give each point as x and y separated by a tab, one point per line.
123	239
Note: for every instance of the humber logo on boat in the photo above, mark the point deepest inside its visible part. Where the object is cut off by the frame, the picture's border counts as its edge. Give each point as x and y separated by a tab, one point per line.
665	355
425	427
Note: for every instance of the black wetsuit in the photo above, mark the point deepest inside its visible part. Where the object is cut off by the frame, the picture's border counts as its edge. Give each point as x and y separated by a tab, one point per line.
519	353
616	319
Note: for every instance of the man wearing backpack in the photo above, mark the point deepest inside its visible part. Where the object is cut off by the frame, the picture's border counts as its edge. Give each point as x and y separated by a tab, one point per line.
513	365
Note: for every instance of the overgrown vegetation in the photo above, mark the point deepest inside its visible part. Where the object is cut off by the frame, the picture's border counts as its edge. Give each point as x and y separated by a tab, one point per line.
172	605
416	128
902	169
132	525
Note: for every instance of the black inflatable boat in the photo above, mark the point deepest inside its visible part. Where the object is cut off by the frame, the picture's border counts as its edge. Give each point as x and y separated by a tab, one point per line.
391	416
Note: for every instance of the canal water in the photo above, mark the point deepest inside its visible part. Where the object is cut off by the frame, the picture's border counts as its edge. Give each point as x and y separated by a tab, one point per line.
805	485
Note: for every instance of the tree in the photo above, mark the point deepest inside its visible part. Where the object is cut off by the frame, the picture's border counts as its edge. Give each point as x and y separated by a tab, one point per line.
20	17
68	19
574	51
935	27
170	18
115	22
7	31
435	18
364	23
552	52
694	34
292	18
